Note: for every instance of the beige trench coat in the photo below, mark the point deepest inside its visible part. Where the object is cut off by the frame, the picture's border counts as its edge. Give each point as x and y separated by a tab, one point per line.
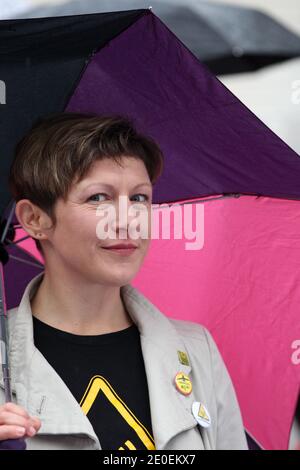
38	388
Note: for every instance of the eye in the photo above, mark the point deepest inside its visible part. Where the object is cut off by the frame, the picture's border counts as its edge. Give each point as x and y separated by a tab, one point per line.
143	195
97	194
92	198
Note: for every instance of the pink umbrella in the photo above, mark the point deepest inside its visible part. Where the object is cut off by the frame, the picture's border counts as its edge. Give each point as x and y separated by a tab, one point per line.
244	286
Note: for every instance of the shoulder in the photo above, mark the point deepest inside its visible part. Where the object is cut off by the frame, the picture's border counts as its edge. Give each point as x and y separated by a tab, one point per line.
192	331
12	315
194	335
200	345
11	319
189	329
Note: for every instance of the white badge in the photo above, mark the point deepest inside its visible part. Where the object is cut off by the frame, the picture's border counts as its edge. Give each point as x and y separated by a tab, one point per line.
201	414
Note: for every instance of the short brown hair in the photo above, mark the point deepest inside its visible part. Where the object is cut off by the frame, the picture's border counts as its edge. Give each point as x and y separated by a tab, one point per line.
62	146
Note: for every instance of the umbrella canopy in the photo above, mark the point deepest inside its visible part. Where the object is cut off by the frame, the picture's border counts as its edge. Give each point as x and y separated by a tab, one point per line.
227	38
35	55
40	55
214	148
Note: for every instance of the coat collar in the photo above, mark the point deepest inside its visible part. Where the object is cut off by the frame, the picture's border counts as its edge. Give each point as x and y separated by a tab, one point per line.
41	391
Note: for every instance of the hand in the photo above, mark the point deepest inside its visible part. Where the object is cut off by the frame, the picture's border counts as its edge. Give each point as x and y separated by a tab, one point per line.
16	423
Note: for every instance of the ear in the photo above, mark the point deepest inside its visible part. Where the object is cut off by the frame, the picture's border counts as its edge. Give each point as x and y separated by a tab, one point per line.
33	219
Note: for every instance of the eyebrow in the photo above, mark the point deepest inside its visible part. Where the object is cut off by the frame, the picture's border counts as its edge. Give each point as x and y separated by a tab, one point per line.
110	186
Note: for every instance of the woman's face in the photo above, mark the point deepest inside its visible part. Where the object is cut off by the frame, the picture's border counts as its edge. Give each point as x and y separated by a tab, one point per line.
75	240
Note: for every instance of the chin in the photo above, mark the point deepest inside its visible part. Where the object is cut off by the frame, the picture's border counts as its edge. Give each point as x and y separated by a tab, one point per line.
120	279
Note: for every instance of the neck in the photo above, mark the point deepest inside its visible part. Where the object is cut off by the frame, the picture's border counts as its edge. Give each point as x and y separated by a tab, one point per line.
72	304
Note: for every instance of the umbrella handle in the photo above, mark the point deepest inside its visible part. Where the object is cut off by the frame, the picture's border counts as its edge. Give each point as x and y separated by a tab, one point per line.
13	444
8	444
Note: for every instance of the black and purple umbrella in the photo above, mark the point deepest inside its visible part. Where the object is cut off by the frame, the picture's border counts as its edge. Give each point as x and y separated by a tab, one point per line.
244	282
228	38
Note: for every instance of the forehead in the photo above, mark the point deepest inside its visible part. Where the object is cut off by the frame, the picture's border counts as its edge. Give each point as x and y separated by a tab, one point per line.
108	172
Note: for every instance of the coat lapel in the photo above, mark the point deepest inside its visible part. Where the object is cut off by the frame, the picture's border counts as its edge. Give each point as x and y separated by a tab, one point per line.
43	393
171	411
39	389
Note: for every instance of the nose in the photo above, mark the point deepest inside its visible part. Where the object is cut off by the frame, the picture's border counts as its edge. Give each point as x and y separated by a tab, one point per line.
120	223
129	220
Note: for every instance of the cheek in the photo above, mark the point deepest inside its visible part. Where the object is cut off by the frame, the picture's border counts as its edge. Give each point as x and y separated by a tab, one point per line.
143	250
77	228
145	244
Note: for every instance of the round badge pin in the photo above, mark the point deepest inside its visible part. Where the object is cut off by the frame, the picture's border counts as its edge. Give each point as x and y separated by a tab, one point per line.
201	414
183	383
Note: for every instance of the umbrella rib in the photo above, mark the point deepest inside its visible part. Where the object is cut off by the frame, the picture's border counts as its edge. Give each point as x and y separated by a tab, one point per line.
22	249
11	213
199	201
20	240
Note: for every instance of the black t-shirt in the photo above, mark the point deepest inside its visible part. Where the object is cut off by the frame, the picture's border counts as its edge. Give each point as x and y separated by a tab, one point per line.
106	375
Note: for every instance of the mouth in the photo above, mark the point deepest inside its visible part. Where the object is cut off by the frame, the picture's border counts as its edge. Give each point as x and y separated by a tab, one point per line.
121	250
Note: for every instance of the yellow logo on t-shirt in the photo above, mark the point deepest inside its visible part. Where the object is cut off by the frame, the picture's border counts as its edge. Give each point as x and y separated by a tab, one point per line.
100	384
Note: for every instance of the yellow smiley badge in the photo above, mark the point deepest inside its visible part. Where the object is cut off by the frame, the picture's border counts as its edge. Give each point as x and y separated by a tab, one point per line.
183	383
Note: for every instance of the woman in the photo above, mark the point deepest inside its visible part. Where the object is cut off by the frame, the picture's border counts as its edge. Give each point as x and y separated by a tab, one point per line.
94	364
